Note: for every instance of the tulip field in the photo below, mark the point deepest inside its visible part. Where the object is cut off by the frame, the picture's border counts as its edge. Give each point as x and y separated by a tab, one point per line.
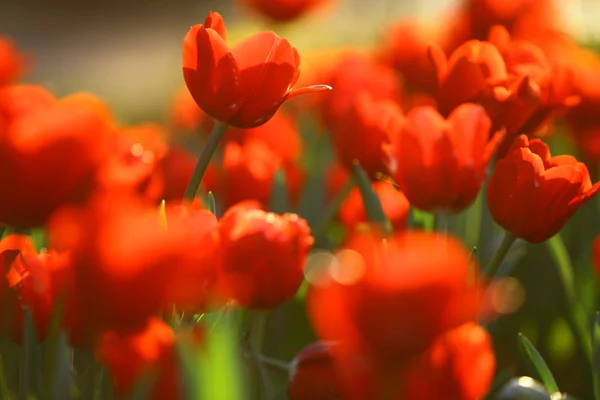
416	219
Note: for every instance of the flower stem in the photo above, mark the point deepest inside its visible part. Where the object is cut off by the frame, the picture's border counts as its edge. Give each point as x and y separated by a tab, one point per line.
507	241
576	315
473	221
207	152
257	336
333	207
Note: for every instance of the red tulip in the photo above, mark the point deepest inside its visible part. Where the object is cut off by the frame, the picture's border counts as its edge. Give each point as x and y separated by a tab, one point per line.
440	164
263	256
459	365
245	85
283	10
420	279
151	350
54	150
314	376
367	125
532	194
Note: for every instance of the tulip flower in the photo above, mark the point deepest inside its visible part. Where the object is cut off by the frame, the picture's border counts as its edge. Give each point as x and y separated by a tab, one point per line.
29	280
245	85
440	164
532	194
52	150
367	125
459	364
151	350
283	10
263	256
418	278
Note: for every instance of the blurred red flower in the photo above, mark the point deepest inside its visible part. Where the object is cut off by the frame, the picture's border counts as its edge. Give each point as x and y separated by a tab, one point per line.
440	164
422	279
248	173
48	157
532	194
354	73
263	256
18	100
367	125
459	365
150	352
394	203
283	10
313	374
243	86
279	134
30	280
405	48
126	257
12	62
186	117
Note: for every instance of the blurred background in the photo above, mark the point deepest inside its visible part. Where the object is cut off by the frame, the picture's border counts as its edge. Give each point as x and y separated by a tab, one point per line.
128	52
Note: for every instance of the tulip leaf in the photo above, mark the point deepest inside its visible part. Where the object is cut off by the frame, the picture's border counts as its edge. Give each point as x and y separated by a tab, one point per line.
218	369
3	229
27	354
4	392
537	364
421	219
280	202
596	356
371	201
212	204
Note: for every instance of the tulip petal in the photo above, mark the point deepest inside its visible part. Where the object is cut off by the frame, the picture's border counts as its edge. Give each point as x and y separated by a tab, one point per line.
268	66
215	22
210	71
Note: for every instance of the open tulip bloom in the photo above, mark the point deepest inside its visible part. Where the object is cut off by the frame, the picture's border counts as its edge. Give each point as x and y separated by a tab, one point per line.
245	85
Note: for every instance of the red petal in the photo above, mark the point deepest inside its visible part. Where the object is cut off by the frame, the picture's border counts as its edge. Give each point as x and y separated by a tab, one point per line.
210	72
215	22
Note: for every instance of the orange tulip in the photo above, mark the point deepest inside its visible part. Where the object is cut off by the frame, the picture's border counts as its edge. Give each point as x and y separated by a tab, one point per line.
532	194
243	86
440	164
266	279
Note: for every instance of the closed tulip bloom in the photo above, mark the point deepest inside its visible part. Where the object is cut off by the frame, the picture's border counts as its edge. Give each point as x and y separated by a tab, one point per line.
367	125
470	74
283	10
242	86
532	194
263	256
420	279
440	164
459	365
128	356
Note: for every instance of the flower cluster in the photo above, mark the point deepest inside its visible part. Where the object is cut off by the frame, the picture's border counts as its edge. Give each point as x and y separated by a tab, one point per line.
360	191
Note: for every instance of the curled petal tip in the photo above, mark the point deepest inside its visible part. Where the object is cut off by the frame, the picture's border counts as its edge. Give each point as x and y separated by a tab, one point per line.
308	89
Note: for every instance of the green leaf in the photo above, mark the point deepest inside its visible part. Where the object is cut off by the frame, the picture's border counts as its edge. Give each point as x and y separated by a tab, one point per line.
596	356
537	364
371	202
280	202
421	219
212	204
3	383
27	354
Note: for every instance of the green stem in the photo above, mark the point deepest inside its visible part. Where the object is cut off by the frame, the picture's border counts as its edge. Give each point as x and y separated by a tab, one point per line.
207	152
333	207
576	315
2	230
507	241
278	365
258	324
473	221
